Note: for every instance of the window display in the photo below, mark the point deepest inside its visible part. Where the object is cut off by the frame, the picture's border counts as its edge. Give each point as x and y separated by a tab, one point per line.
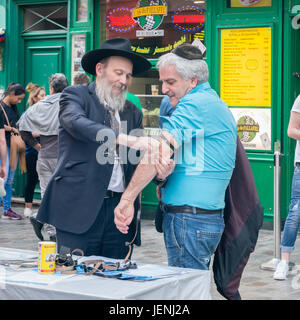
154	27
82	10
78	51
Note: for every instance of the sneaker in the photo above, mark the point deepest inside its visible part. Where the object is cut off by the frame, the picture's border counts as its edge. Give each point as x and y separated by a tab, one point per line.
9	214
27	212
281	271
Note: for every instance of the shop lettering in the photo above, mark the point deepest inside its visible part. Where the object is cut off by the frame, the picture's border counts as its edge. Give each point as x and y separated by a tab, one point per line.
150	10
141	50
181	41
248	128
184	18
121	21
157	50
162	50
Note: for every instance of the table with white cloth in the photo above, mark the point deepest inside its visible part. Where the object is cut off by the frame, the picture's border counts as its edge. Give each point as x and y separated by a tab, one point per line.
20	284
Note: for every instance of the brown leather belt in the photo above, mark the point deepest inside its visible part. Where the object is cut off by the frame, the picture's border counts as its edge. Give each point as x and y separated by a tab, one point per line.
188	209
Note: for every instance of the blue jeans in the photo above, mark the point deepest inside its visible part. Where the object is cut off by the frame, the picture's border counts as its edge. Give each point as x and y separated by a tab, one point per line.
8	183
191	239
292	221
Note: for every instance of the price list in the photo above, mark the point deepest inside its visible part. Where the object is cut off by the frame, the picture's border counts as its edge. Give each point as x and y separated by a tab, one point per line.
246	67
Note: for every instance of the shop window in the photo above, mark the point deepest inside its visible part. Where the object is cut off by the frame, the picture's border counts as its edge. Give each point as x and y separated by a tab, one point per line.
51	17
154	27
82	10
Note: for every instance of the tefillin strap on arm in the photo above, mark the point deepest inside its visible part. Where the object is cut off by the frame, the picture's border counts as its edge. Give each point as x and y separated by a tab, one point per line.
168	143
159	182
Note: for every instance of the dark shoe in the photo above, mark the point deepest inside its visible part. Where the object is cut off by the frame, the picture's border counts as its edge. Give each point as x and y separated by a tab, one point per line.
37	227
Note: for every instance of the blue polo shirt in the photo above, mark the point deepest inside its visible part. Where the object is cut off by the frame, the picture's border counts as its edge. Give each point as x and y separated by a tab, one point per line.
206	133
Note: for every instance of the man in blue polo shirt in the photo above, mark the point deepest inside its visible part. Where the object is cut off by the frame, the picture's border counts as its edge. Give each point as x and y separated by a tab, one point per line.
202	132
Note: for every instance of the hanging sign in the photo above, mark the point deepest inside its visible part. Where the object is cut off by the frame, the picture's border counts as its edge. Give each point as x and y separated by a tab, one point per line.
246	67
149	15
188	19
120	20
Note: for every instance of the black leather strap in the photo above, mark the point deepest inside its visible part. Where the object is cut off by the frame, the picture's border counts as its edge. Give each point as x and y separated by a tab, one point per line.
111	194
188	209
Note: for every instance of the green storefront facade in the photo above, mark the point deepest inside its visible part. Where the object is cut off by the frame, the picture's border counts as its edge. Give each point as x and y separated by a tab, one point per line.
250	46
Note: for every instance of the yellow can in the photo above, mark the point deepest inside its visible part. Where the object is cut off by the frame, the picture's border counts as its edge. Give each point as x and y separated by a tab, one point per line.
47	253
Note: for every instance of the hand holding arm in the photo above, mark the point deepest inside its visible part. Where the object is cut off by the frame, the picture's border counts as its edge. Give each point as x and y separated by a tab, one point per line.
144	173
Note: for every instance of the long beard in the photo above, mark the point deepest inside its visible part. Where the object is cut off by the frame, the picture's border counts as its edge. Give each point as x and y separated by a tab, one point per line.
108	98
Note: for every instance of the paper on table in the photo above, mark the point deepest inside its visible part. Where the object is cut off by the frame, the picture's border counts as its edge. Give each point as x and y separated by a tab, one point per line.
15	254
156	271
34	277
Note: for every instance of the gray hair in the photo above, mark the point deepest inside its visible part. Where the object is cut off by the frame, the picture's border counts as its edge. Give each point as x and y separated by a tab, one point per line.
187	69
58	82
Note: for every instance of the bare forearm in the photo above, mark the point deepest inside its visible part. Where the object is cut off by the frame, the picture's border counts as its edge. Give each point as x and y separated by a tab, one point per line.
143	174
294	133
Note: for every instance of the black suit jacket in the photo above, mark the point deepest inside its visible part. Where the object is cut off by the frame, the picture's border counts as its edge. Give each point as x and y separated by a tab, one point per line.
75	193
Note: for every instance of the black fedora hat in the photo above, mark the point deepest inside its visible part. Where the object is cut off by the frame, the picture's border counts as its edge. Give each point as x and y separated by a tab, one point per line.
114	47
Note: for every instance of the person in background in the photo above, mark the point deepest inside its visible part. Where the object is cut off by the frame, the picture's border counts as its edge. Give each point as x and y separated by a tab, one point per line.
42	118
81	78
292	222
36	93
13	95
3	151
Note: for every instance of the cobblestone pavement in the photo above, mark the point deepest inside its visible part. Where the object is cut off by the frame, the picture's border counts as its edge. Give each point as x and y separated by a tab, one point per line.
256	284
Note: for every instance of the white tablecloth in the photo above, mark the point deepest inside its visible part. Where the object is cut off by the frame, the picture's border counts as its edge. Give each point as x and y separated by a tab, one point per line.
194	284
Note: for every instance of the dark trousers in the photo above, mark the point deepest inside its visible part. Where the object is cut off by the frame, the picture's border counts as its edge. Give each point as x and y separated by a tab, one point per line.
32	177
102	239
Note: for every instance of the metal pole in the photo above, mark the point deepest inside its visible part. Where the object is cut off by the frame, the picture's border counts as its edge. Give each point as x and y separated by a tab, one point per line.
271	265
276	219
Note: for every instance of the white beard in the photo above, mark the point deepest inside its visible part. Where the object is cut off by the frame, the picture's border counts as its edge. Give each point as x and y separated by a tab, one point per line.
104	93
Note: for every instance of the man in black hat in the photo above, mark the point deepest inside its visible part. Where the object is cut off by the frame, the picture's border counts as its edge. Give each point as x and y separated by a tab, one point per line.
91	174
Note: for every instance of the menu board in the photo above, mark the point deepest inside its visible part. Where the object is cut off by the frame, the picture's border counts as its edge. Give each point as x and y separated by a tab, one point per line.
246	67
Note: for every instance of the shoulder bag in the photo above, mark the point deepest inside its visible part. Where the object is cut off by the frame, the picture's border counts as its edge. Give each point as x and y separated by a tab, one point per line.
17	146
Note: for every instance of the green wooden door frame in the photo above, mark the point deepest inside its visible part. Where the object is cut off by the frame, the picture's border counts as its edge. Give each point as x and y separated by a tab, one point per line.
14	50
220	17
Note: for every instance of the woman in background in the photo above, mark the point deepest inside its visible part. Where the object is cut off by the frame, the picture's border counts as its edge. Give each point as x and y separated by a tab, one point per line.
36	93
13	95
